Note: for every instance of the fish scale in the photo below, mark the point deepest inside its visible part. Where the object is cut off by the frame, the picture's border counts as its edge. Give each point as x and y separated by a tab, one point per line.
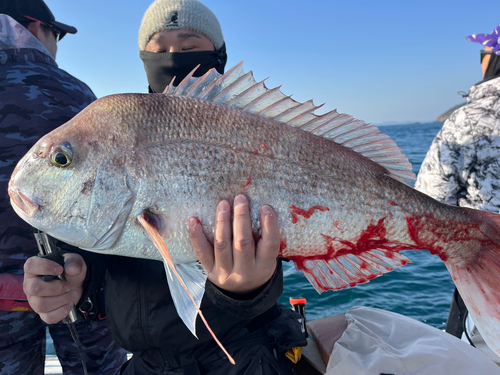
143	164
230	148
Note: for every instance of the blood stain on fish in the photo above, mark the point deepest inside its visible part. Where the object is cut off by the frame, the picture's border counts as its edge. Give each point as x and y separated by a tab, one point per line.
418	225
307	214
373	238
248	181
282	245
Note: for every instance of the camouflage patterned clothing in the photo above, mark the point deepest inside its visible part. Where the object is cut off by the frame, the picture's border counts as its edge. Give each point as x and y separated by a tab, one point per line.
35	97
22	346
462	166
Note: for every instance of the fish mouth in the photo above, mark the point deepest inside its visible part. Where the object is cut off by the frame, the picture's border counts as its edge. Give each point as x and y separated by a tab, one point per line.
22	202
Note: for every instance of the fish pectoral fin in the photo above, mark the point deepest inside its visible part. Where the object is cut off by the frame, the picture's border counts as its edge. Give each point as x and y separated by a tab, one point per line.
186	282
194	279
349	270
186	295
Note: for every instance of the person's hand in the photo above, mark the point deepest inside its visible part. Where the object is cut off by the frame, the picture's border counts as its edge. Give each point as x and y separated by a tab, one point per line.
53	300
234	263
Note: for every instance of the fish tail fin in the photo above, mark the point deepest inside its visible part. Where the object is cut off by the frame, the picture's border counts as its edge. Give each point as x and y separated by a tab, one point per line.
478	281
178	287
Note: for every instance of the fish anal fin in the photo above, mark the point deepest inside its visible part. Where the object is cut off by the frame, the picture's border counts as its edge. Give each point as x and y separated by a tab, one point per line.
160	244
348	270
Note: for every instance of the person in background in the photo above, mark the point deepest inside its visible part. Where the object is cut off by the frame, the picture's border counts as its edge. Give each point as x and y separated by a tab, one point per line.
462	166
245	278
36	97
172	44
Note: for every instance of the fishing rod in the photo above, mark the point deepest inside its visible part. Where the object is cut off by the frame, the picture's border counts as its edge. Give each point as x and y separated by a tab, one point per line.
48	250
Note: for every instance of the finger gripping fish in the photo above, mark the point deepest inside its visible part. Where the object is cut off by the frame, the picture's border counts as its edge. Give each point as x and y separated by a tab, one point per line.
338	185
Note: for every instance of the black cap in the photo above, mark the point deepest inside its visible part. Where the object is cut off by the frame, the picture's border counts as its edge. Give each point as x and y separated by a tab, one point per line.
27	10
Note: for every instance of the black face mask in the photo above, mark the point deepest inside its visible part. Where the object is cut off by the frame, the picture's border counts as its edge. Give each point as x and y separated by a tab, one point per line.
493	69
162	67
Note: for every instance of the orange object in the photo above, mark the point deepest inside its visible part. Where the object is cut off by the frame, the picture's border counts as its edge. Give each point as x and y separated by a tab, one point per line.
297	301
299	305
11	305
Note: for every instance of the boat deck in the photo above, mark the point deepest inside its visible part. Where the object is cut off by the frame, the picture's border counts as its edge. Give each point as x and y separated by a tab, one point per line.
53	366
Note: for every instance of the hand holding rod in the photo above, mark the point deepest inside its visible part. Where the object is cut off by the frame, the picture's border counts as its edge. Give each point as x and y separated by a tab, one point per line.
48	250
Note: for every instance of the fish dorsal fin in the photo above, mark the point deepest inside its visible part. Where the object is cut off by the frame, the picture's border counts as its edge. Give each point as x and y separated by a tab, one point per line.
237	89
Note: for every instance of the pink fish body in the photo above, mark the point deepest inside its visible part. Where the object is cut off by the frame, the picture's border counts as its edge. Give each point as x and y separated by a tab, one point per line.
336	183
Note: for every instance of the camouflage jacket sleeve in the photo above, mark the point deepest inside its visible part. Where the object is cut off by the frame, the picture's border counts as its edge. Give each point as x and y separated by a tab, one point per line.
439	175
462	166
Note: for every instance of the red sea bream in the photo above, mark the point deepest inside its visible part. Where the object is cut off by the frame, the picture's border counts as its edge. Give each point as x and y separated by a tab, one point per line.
338	185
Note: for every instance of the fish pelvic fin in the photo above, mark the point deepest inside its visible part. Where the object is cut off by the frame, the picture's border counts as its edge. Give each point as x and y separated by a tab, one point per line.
479	285
186	283
237	89
349	270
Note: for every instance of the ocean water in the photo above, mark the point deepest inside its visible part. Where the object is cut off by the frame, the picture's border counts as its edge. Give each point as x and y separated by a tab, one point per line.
421	290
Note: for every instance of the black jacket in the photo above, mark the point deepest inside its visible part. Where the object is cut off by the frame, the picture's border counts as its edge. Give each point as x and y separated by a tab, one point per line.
143	319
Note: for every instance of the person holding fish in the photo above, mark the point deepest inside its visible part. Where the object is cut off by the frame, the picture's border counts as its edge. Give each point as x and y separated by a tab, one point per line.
462	166
245	276
36	96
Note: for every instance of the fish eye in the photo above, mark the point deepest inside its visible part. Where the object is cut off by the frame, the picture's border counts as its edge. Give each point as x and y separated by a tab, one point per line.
61	157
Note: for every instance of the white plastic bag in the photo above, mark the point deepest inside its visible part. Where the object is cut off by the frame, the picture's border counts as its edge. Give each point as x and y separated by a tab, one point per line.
381	342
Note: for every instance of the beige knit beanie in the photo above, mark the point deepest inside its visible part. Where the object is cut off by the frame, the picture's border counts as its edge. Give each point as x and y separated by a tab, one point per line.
179	14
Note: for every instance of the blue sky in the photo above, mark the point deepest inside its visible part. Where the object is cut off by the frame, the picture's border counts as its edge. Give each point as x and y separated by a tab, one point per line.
380	61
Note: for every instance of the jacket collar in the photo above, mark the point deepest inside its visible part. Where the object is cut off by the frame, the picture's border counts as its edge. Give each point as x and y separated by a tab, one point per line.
483	89
15	36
